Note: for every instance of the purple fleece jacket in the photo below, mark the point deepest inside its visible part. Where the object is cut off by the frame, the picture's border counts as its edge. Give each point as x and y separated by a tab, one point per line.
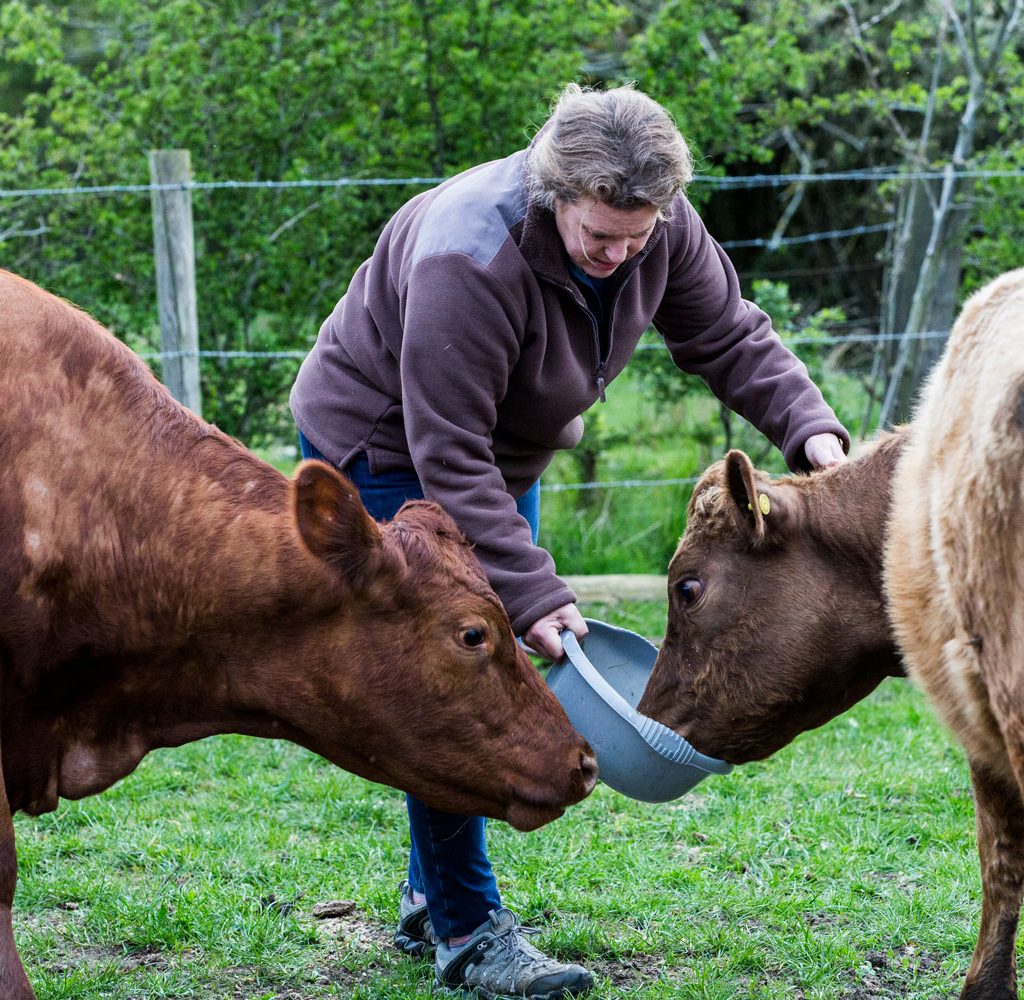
463	350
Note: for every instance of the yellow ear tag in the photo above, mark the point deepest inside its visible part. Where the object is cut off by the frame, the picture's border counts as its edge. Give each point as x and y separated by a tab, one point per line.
764	503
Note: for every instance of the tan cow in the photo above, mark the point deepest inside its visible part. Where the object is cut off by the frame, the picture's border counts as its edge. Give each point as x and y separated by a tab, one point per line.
791	599
955	583
160	584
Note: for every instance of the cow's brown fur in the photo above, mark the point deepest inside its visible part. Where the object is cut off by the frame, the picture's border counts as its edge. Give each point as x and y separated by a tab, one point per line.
741	671
159	584
916	547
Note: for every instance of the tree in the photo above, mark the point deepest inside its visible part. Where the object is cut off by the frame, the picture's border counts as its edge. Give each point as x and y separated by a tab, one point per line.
287	90
926	260
904	88
277	90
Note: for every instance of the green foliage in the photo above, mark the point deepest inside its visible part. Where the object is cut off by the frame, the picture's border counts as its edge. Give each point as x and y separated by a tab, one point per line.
994	242
807	336
287	90
273	91
726	69
803	87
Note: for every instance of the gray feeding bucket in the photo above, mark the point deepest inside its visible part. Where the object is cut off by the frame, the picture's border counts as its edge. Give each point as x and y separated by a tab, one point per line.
599	685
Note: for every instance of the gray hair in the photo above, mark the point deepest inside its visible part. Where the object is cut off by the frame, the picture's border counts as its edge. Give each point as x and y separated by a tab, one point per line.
618	146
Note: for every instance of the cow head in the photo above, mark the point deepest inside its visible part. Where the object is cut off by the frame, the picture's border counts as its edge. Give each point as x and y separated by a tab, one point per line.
776	620
409	636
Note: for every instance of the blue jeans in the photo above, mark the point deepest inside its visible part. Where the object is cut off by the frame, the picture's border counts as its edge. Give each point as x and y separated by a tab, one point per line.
448	859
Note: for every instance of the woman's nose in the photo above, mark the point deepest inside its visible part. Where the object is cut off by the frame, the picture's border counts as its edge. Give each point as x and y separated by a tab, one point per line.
617	252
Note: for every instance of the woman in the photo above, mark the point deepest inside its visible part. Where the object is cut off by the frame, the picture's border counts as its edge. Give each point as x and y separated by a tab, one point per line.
495	309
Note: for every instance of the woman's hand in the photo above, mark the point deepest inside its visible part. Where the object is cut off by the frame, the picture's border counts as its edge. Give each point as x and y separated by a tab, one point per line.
544	636
824	451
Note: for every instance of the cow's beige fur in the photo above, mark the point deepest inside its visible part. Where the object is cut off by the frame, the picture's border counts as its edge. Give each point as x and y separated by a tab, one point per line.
954	571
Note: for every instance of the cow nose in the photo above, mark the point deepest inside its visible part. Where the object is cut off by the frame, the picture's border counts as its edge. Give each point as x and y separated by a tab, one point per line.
588	768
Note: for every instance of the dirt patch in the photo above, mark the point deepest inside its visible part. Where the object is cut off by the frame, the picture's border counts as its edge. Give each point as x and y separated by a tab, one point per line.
826	920
64	956
353	931
889	975
630	971
242	983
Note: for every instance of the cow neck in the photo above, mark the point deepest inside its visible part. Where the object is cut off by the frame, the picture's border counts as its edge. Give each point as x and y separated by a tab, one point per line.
850	508
850	519
225	557
187	651
858	505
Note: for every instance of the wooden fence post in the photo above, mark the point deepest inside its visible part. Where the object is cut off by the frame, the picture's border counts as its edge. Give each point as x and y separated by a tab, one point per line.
174	248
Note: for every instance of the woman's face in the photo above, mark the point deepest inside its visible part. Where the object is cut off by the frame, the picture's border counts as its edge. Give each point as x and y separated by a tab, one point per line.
598	238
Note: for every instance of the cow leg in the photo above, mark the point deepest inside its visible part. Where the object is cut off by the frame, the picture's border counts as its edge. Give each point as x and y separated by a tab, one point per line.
14	984
999	819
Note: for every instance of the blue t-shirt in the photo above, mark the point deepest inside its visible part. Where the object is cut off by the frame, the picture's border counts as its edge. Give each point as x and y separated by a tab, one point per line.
598	292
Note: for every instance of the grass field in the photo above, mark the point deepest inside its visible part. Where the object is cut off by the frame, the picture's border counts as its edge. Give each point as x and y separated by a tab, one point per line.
842	867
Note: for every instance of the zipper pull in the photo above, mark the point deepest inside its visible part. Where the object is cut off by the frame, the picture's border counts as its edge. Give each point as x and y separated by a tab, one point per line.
600	389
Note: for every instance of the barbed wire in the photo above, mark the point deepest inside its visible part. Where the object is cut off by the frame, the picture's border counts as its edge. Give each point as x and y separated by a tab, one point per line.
298	355
880	175
219	186
752	181
845	338
173	355
616	484
771	242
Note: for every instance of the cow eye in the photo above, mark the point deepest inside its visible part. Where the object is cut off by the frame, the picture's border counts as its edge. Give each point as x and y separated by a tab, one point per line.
473	636
690	590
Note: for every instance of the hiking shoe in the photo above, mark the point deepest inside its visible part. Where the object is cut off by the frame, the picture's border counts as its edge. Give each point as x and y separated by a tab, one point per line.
415	934
498	961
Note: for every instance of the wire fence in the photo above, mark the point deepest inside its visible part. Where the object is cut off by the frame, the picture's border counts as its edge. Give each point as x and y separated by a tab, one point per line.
879	176
768	244
852	338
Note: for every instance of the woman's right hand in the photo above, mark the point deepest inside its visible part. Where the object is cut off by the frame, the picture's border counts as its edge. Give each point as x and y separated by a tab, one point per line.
544	636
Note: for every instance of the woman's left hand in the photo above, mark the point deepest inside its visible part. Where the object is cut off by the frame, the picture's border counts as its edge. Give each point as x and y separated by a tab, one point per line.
824	450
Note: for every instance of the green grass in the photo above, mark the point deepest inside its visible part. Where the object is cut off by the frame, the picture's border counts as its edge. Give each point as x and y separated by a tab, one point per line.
842	867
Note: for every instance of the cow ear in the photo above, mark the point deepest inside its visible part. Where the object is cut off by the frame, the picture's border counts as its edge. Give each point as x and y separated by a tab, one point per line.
332	521
752	504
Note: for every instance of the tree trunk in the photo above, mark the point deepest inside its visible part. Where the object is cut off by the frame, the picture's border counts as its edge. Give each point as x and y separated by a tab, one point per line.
920	344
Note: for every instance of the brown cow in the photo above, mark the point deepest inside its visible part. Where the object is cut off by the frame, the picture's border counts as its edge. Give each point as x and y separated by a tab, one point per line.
791	599
160	584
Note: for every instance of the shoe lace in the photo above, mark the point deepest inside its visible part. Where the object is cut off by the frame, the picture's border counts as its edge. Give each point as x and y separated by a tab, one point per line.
514	951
